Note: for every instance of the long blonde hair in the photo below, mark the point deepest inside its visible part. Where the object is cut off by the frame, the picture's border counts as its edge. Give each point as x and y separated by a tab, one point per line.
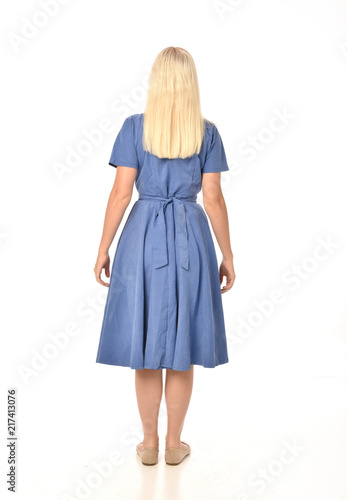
173	125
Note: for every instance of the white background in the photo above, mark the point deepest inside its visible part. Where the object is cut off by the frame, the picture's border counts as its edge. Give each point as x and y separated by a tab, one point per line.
285	384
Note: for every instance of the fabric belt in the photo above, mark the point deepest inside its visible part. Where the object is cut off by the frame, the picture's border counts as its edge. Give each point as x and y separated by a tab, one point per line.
160	250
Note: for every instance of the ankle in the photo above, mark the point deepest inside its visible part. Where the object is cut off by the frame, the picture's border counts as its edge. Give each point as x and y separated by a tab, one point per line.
150	441
172	442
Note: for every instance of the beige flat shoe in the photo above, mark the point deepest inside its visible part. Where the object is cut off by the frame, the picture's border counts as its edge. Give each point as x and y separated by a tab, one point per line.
174	456
149	456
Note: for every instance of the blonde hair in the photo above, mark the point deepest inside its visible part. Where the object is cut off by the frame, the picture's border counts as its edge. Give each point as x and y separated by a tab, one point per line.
173	125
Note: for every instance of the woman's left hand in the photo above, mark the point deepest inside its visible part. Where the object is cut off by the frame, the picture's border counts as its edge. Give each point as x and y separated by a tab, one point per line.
102	262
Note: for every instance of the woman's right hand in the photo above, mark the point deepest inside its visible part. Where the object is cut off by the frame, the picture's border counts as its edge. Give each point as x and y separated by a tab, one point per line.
227	269
102	262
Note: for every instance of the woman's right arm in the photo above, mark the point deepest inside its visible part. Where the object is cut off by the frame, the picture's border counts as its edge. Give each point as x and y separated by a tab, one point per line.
215	207
118	202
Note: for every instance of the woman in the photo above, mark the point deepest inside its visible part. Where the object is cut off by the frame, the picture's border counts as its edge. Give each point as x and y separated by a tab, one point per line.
164	306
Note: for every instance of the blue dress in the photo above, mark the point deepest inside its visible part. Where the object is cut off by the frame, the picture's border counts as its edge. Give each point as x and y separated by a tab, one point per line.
164	303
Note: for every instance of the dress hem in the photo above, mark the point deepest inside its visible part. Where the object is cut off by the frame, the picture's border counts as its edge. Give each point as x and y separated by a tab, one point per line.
162	367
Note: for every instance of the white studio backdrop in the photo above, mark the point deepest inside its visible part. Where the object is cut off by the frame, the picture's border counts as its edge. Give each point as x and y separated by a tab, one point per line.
270	424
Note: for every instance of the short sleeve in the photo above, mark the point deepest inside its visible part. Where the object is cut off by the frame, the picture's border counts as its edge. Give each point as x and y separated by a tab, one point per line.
215	158
124	150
